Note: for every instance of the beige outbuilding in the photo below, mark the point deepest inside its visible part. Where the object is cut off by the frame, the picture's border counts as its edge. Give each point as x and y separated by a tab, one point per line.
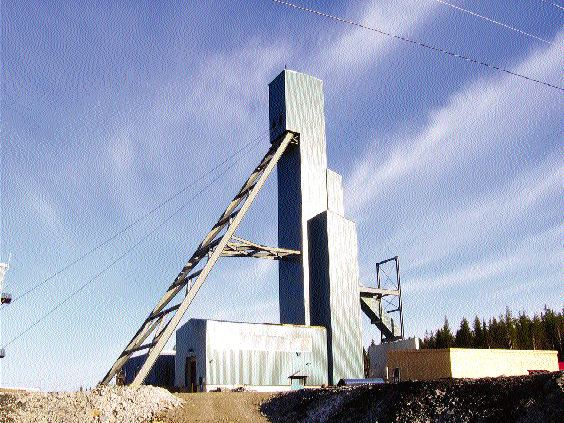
430	364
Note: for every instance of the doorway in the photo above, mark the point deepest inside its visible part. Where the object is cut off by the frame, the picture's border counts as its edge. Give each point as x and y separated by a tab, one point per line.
190	374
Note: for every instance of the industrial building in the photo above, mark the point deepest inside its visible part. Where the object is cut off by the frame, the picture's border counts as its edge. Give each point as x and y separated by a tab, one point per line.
213	354
162	373
318	340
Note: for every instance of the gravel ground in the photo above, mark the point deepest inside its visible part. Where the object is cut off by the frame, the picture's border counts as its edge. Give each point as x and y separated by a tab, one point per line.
218	407
107	404
531	399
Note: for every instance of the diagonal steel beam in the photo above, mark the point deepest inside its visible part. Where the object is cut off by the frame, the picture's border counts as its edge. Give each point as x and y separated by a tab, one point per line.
211	247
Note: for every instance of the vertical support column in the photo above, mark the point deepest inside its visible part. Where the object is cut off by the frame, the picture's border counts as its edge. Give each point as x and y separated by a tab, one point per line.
296	104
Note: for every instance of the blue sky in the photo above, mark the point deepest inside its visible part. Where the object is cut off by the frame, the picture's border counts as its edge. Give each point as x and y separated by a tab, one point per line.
107	110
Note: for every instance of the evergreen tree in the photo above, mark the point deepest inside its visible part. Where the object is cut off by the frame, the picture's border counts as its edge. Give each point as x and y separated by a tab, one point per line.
478	334
444	337
523	332
463	338
510	331
541	332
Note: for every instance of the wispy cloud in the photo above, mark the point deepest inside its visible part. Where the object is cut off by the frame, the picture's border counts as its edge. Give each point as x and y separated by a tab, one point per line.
354	49
542	249
479	219
477	119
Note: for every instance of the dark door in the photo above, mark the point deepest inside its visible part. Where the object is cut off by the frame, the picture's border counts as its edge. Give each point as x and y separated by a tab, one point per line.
190	374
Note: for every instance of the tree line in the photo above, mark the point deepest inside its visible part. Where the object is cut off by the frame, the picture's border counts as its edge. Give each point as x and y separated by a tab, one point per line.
544	331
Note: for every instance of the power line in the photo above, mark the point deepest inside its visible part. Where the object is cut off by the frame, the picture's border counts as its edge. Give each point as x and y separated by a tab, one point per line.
418	43
493	21
135	222
118	259
553	4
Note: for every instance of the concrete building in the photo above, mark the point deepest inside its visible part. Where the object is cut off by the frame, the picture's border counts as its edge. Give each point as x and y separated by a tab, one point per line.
214	354
469	363
378	355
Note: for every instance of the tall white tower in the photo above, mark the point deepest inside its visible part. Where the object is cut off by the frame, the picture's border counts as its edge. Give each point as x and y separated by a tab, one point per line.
322	288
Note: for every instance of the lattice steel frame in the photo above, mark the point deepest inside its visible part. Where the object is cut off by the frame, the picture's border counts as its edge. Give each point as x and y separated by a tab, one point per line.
393	293
163	320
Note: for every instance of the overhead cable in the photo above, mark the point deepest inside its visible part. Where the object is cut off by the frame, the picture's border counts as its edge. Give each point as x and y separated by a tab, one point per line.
135	222
493	21
553	4
117	259
418	43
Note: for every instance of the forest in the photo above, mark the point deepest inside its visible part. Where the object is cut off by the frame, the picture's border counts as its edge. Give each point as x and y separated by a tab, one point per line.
542	331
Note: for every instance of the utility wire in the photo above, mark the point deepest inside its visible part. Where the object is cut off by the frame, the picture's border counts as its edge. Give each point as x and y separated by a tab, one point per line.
418	43
135	222
493	21
553	4
118	259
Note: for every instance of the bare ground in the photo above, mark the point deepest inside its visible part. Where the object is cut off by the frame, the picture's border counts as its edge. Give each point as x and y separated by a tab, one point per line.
218	407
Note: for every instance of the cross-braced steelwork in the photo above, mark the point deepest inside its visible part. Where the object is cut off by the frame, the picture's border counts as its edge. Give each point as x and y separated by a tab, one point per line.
164	318
372	299
240	247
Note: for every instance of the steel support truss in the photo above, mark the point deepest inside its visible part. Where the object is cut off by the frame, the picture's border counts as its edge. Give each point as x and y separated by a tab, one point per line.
220	241
371	302
240	247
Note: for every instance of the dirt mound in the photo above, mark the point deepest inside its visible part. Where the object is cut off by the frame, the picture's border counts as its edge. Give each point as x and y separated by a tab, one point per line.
104	404
537	398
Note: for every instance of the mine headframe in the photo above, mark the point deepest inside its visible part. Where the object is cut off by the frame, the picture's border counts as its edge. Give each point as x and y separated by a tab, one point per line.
219	242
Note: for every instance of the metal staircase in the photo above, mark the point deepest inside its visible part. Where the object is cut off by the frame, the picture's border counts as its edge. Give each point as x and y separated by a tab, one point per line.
220	241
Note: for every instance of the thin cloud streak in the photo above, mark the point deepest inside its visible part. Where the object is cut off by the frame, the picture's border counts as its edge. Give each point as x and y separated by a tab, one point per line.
530	253
478	118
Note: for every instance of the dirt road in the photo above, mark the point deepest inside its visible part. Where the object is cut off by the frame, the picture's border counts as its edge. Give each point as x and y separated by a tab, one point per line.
219	407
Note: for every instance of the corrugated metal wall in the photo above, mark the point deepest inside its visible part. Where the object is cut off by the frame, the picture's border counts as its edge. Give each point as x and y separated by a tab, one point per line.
264	354
296	104
335	293
190	336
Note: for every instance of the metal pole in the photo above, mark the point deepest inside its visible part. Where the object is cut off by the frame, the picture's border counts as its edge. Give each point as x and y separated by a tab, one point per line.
400	306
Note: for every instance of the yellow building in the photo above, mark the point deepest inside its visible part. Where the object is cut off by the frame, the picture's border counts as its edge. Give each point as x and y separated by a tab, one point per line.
468	363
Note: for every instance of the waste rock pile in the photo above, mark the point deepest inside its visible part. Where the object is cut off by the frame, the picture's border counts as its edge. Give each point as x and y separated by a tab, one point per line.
535	398
107	404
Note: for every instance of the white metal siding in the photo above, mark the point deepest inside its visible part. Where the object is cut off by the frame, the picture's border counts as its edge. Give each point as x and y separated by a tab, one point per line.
335	294
296	100
264	354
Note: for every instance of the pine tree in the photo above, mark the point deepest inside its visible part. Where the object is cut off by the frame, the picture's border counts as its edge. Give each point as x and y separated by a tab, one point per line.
510	330
444	337
478	334
464	337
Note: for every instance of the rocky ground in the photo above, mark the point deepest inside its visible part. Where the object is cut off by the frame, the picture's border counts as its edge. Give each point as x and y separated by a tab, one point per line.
105	404
537	398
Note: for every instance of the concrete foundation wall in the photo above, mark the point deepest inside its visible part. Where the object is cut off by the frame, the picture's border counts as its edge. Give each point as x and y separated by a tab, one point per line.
469	363
487	363
420	364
